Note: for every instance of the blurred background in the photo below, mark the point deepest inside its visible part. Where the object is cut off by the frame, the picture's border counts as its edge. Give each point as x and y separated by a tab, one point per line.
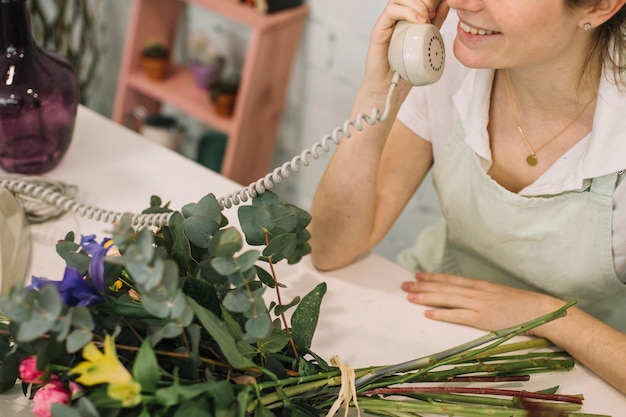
326	73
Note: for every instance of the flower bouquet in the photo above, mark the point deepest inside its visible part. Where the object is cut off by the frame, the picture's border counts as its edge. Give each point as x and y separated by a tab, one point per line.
173	321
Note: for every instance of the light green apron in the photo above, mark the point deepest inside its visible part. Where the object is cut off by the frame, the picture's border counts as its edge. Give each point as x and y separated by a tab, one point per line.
560	245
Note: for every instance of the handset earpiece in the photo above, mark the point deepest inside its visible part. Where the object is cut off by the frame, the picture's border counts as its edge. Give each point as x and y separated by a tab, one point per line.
416	52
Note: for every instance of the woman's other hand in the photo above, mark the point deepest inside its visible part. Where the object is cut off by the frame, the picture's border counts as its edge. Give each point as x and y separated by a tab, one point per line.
477	303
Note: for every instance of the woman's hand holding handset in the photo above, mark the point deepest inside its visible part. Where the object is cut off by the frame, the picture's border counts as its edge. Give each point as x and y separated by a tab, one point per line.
378	72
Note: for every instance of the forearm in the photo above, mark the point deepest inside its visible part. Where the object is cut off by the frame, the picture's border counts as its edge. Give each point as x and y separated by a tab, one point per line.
344	207
594	344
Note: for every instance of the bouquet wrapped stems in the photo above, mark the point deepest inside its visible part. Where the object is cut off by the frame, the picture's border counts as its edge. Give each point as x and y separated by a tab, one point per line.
173	322
487	359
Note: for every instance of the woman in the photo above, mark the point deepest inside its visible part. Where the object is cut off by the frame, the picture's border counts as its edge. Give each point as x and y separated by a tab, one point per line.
526	140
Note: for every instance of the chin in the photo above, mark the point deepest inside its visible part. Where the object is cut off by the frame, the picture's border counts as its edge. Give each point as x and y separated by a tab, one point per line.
473	58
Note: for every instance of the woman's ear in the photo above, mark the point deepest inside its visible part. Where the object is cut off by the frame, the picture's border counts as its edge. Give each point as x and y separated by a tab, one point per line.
600	12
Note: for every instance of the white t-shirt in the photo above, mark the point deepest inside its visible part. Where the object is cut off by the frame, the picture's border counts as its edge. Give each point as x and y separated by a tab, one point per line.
464	93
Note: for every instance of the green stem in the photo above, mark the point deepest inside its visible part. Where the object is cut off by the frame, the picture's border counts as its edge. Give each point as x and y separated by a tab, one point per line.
463	351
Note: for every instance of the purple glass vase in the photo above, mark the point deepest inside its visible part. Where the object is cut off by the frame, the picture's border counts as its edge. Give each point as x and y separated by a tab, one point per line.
38	97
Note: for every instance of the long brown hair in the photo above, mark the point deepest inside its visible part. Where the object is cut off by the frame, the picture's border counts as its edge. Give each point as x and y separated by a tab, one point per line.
608	44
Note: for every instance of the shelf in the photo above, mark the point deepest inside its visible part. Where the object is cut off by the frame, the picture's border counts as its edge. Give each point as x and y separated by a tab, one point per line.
194	102
252	130
248	15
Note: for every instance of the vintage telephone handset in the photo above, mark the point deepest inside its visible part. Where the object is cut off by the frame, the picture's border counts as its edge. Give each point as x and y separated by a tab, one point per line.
416	53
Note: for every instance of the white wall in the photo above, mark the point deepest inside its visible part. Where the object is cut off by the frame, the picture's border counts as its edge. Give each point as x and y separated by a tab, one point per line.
326	75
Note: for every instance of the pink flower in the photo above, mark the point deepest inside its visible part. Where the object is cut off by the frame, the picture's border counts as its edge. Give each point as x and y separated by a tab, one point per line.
29	372
51	393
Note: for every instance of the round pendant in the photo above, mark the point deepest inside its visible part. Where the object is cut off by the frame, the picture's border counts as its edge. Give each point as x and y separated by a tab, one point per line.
531	160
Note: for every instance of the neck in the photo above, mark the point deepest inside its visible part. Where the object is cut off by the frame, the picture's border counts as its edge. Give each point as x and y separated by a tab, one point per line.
15	32
549	90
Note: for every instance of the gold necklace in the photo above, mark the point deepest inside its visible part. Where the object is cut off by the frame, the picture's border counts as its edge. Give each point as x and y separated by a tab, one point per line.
532	158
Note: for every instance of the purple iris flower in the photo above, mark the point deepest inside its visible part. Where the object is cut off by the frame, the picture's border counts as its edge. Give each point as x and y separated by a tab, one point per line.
97	251
75	290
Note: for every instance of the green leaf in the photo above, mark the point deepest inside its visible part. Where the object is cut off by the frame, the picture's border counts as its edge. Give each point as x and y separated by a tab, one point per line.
304	319
275	342
203	292
280	247
208	207
61	410
255	223
238	300
181	251
46	309
226	242
265	277
281	308
259	324
70	252
247	260
218	330
78	339
199	230
146	368
285	216
224	265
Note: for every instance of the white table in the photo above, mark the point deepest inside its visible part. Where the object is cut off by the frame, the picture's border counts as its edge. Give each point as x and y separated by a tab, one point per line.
365	318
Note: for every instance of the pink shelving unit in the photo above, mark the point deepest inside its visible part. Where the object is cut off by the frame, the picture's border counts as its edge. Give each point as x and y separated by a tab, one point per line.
253	128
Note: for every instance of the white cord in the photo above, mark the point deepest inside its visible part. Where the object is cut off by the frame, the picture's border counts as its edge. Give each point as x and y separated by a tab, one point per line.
283	171
45	199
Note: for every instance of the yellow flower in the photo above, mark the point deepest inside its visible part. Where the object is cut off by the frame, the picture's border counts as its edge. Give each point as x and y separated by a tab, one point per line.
128	393
105	368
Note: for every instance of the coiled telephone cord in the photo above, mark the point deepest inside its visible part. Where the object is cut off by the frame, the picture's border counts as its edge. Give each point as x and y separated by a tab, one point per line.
44	199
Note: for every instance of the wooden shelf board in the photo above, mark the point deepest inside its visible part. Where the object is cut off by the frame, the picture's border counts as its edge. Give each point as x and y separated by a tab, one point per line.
175	91
248	15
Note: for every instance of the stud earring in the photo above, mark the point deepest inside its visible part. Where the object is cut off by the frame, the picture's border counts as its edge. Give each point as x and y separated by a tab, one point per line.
587	26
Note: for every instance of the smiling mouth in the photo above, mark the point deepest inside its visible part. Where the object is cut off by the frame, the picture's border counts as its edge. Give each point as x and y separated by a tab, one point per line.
468	29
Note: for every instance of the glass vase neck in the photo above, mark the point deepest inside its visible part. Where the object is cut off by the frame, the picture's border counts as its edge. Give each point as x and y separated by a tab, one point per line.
15	31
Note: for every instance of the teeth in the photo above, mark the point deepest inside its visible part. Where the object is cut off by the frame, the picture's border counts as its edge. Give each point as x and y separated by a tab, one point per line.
474	31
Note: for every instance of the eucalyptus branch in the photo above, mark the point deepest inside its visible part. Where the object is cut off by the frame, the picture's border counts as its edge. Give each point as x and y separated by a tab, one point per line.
279	299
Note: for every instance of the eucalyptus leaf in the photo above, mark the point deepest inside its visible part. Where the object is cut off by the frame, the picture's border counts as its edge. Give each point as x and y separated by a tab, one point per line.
285	216
77	339
209	207
268	198
280	309
226	242
238	300
280	247
247	260
225	265
265	277
199	230
255	223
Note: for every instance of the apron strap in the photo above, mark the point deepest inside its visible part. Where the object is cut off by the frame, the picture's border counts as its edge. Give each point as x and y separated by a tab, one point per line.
604	185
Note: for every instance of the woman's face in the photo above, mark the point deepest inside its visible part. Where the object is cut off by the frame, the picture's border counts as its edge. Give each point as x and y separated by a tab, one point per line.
518	33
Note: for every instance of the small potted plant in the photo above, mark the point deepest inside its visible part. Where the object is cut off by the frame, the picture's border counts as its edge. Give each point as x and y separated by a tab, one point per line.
155	60
223	93
205	61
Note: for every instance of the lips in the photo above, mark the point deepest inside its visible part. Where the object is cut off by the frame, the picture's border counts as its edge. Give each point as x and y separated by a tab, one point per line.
474	31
